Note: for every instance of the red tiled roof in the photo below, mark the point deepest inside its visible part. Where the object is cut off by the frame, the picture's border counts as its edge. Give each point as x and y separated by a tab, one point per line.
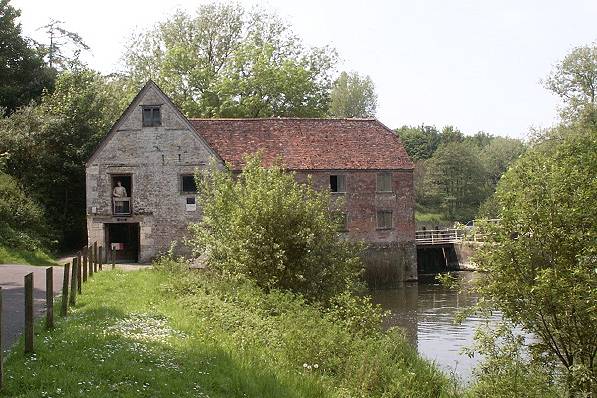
306	144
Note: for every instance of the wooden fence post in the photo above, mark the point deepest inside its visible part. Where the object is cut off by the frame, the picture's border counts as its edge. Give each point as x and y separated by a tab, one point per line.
94	256
79	272
1	360
29	313
101	258
49	298
85	257
73	283
91	260
112	258
64	304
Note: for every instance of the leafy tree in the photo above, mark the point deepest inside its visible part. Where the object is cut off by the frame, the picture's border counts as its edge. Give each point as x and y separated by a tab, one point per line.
455	181
64	46
451	134
226	61
265	225
419	142
575	81
23	73
48	145
499	154
353	96
540	259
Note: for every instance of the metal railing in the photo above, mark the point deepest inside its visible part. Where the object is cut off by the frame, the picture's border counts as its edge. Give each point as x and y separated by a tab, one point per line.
121	206
438	236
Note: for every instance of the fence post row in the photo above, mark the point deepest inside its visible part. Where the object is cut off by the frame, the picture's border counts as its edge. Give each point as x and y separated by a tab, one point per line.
49	298
112	258
29	313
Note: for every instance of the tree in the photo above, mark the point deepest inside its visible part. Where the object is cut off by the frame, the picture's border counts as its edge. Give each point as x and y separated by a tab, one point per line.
455	181
226	61
575	81
419	142
353	96
48	146
541	258
23	73
498	155
451	134
265	225
64	46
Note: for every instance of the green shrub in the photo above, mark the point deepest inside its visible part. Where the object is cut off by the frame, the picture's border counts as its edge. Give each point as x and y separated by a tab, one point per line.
341	346
265	225
22	223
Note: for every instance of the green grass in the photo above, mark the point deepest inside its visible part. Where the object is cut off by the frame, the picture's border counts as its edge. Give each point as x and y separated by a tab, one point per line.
152	334
10	255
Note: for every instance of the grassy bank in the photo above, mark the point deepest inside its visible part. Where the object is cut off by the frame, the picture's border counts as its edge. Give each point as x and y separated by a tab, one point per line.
150	333
9	255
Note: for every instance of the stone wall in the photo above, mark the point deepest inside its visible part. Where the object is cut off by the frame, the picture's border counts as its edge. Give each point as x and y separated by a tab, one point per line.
155	157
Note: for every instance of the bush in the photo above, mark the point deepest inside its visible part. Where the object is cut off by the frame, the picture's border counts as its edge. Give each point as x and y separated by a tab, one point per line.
343	347
22	223
265	225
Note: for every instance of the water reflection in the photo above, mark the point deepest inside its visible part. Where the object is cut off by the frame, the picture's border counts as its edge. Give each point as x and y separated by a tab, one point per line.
426	310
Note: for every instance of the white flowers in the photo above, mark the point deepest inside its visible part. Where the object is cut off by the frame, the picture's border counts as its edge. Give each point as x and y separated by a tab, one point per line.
310	367
143	327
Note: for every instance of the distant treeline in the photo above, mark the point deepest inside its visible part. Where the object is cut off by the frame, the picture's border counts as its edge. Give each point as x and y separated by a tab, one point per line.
456	174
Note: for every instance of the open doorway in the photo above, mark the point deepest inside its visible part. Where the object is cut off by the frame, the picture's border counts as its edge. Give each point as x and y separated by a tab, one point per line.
123	238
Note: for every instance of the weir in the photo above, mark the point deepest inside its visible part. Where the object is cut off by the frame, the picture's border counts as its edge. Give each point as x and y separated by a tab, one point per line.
444	250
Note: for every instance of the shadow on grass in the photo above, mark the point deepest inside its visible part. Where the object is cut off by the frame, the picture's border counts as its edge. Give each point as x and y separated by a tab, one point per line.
104	351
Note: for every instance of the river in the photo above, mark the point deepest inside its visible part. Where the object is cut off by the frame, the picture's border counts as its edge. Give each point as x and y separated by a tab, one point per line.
426	310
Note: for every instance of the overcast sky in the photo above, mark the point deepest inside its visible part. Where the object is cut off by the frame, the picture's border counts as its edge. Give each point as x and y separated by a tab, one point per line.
473	64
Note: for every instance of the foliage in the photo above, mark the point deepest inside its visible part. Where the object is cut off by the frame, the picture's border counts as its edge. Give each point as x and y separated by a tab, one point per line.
64	46
541	256
353	96
228	62
506	368
22	224
455	181
24	74
419	142
265	225
190	334
574	80
48	145
498	154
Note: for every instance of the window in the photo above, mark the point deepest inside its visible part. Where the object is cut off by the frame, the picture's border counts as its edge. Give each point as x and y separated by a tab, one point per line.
338	183
384	219
122	187
384	182
151	116
341	221
188	183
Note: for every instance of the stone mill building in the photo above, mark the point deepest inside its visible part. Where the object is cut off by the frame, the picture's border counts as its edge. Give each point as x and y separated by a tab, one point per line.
141	194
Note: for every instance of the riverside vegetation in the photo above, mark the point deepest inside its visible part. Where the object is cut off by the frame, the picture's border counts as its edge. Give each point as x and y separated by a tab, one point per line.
172	331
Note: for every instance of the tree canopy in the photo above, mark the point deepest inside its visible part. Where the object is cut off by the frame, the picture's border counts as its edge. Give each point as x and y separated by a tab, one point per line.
540	258
228	62
353	95
23	71
574	80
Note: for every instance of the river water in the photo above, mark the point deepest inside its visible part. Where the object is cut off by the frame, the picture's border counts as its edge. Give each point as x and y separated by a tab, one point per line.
426	311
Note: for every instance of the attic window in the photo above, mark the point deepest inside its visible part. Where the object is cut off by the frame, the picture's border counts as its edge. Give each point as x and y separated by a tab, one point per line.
384	182
151	116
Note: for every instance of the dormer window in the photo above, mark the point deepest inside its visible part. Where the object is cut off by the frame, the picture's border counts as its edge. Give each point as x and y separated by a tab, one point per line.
152	116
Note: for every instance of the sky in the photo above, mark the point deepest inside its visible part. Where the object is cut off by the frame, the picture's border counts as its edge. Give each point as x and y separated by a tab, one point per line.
473	64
